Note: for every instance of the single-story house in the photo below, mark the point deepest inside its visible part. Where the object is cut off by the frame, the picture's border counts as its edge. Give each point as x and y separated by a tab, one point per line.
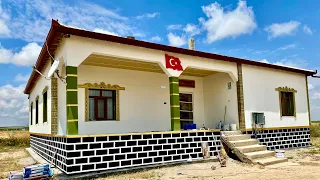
117	102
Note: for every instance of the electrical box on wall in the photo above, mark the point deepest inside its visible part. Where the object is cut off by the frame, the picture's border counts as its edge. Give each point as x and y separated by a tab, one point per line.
258	118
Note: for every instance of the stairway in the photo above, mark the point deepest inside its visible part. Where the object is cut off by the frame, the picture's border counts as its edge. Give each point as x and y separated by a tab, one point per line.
248	150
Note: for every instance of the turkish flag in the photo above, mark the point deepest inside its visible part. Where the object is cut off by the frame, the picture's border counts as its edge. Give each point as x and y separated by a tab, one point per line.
173	63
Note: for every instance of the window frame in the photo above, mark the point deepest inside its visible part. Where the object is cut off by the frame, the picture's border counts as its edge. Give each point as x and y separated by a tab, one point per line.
104	86
37	110
45	107
105	99
287	90
31	113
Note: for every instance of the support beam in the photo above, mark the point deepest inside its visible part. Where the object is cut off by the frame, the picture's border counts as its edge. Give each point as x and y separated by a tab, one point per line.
72	100
54	105
174	103
308	100
242	121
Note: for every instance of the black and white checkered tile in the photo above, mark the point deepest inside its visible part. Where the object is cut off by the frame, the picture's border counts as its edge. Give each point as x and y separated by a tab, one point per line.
283	138
87	154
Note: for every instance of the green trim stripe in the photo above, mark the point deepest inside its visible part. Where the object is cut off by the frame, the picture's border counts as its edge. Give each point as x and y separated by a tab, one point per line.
72	97
72	100
71	70
72	82
72	128
173	79
72	112
174	103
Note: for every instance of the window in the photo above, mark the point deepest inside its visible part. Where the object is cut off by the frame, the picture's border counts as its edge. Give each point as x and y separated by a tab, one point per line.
102	104
186	109
31	113
45	107
287	104
37	111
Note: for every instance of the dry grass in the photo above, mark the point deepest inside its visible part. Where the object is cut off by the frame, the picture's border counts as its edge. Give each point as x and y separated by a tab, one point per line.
14	138
10	161
143	174
315	129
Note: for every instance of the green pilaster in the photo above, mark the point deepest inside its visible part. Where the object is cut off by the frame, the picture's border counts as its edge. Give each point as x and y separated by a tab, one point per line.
174	103
72	100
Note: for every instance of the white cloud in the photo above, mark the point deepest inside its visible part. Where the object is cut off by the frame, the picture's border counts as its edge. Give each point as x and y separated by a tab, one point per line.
174	27
289	46
316	95
148	15
307	30
30	20
21	78
4	30
310	86
281	29
156	39
105	32
296	63
25	57
13	105
222	23
175	40
191	29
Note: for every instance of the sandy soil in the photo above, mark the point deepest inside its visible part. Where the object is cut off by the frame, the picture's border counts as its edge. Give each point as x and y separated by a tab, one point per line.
13	159
301	165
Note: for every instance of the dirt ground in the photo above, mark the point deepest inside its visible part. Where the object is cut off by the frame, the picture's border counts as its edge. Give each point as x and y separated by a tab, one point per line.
304	163
12	159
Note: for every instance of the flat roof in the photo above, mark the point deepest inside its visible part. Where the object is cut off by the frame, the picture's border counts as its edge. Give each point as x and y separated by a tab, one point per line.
57	31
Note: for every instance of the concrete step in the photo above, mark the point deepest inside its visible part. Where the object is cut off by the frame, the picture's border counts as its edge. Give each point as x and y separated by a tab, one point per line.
260	154
245	142
239	137
228	133
270	161
252	148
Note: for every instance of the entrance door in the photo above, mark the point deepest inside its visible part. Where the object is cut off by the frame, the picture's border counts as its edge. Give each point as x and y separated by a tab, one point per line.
186	109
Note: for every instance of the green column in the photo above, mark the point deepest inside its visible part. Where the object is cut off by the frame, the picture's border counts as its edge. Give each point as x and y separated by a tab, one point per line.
174	103
72	100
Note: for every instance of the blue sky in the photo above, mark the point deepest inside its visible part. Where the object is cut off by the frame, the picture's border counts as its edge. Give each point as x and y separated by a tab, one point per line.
274	31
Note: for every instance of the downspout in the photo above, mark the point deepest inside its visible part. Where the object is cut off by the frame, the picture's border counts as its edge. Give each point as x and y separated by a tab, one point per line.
313	75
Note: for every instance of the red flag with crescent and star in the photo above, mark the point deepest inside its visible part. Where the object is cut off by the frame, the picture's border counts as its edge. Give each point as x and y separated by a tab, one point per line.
173	63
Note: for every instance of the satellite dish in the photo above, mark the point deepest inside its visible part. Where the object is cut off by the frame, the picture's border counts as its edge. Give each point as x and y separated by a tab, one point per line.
53	68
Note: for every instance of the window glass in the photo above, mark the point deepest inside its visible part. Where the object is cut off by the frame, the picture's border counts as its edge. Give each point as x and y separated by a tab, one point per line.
31	114
110	108
93	92
102	105
91	109
185	97
107	93
287	104
101	109
45	113
37	111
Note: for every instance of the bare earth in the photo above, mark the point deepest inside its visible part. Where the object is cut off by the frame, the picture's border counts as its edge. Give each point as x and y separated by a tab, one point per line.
304	163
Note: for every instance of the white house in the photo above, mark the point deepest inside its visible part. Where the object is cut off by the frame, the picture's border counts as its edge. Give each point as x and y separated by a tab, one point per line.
113	96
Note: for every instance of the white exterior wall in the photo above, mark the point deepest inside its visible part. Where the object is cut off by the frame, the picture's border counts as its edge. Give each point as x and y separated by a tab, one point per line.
41	127
217	96
79	48
260	96
62	108
142	103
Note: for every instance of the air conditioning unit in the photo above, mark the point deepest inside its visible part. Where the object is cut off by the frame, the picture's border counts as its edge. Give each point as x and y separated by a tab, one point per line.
258	118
